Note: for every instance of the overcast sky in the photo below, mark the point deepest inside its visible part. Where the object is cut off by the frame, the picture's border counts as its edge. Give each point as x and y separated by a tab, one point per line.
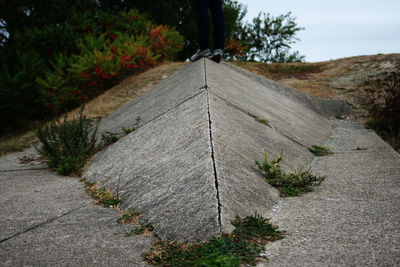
340	28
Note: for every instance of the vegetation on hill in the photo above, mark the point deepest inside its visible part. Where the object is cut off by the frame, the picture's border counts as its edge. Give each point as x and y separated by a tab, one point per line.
50	63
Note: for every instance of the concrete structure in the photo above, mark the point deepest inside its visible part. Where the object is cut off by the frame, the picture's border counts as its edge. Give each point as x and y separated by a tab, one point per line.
189	168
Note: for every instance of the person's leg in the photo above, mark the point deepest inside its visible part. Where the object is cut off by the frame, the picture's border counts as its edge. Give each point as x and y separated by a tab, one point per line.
219	23
202	23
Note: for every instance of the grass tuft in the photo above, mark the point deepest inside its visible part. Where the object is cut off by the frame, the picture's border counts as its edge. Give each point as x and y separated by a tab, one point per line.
129	217
320	150
140	230
102	195
293	184
256	228
107	138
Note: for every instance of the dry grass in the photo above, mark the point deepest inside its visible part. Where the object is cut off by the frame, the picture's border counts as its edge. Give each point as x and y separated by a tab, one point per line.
100	106
130	88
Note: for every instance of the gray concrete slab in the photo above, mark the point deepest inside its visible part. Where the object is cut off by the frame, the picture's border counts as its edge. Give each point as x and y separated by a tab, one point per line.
30	198
290	116
163	97
353	217
238	139
48	220
23	160
164	170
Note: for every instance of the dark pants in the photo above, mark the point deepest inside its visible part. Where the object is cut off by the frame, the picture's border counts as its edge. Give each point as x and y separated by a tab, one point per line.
203	23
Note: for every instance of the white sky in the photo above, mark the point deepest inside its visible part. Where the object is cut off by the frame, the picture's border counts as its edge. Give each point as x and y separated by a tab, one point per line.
340	28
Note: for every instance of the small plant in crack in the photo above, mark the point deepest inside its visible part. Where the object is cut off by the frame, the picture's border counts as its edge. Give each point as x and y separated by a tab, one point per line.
320	151
127	130
298	182
141	230
244	245
107	138
256	228
102	195
259	119
130	217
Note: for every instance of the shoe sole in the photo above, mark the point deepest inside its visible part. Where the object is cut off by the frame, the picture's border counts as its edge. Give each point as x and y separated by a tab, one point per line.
216	58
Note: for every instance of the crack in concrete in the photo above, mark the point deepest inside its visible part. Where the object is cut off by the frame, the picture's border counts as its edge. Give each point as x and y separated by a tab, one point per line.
40	224
212	148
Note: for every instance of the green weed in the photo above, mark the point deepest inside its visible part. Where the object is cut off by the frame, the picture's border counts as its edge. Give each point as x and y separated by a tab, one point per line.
256	228
140	230
129	217
127	130
320	150
244	245
108	138
102	195
293	184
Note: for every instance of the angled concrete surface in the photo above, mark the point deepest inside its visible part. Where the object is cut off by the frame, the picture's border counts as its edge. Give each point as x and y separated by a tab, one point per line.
163	97
164	170
192	158
353	217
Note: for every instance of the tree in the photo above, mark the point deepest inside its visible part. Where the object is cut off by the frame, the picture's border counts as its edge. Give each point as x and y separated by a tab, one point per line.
269	38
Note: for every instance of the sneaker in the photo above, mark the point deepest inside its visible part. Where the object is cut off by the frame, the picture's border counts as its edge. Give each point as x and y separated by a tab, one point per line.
200	53
217	55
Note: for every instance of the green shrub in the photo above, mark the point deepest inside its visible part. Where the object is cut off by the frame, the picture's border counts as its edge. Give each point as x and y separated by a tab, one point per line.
67	144
293	184
47	70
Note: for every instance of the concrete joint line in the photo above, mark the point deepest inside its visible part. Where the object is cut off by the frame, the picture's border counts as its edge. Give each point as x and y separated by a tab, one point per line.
212	148
173	108
39	225
24	170
240	109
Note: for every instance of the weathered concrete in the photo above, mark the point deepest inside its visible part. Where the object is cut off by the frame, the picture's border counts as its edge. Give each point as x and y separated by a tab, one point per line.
353	217
48	220
163	97
164	170
192	158
189	167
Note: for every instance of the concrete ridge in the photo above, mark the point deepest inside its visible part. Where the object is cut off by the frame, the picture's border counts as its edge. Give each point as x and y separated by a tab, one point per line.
190	110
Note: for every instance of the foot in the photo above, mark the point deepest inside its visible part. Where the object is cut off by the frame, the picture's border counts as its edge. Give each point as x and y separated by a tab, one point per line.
200	54
217	55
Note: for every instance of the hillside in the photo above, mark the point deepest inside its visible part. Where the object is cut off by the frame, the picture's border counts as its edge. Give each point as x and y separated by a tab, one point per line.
342	78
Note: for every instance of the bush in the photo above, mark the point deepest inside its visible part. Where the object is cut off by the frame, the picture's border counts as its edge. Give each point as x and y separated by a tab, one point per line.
67	144
47	70
107	54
